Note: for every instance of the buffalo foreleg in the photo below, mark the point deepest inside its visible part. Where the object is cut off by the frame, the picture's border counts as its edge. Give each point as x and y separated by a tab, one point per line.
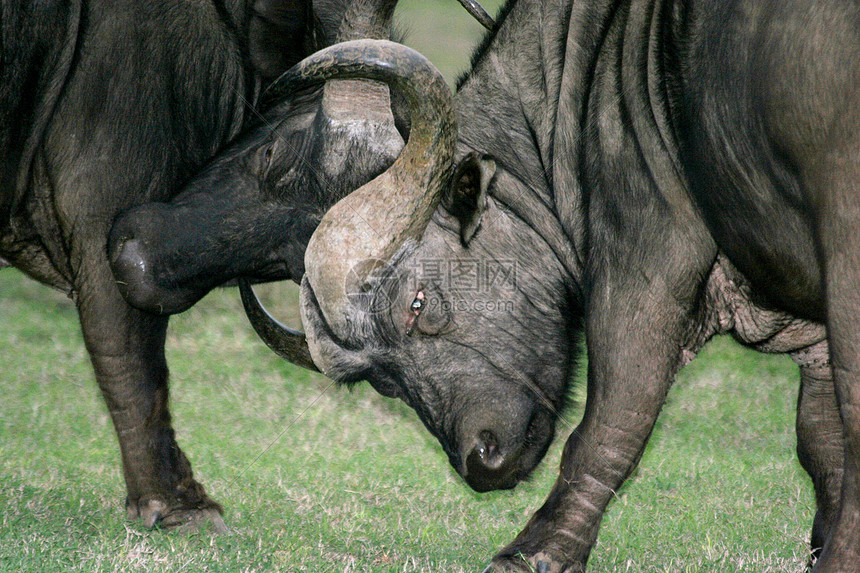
813	114
841	248
126	347
635	345
819	438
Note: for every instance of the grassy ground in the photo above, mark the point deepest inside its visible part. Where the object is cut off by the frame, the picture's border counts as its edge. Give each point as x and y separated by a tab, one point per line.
316	478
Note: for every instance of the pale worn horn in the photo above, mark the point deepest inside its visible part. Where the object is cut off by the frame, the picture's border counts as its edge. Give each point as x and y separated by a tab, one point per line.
373	222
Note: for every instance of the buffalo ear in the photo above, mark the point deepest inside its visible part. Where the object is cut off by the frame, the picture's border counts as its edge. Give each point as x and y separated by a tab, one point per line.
466	196
278	35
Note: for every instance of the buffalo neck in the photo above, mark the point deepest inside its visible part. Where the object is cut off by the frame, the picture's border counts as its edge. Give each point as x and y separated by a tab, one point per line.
542	85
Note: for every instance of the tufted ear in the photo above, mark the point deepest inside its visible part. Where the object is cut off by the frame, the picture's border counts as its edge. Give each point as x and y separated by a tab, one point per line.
278	33
466	196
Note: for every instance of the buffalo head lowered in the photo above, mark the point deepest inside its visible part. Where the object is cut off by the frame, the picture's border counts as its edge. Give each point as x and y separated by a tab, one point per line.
399	279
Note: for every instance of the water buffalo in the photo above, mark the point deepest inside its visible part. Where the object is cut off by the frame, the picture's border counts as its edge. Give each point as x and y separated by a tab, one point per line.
651	173
110	105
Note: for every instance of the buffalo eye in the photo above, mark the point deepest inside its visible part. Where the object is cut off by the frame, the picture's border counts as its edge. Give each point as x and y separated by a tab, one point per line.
266	157
417	305
269	155
414	311
429	314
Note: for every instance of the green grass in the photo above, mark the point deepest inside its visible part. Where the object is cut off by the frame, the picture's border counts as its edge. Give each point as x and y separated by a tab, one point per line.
316	478
443	31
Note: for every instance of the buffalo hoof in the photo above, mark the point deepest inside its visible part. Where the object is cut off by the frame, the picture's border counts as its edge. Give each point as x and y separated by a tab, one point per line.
156	513
539	563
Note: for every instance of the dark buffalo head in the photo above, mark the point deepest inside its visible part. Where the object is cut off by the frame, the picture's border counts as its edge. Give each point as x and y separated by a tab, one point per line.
423	284
252	210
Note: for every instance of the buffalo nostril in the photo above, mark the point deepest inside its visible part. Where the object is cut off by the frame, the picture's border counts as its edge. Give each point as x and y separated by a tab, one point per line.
487	450
488	466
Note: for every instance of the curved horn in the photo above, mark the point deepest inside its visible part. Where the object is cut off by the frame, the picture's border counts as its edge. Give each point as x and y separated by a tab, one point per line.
478	13
286	342
353	114
373	222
